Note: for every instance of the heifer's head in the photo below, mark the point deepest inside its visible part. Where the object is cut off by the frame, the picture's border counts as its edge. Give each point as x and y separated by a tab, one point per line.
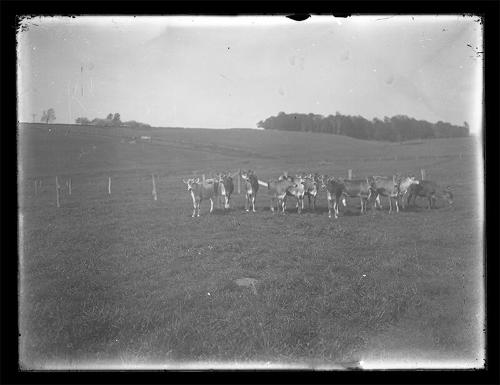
323	180
244	175
191	182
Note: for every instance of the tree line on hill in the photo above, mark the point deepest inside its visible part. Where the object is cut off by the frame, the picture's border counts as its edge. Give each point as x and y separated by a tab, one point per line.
112	120
396	129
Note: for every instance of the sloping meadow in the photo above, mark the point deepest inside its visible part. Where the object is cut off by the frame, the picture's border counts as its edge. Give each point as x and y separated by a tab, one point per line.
123	279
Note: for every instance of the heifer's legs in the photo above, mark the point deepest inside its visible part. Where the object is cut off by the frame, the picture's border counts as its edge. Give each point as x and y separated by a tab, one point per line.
336	207
329	203
211	204
247	202
253	202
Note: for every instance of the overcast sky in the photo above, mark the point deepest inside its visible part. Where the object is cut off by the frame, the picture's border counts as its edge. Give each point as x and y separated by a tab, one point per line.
234	71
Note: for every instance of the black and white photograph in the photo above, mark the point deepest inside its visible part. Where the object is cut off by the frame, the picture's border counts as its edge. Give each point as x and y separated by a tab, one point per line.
267	192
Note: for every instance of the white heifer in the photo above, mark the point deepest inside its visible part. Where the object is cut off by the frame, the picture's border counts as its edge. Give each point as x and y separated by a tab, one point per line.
201	191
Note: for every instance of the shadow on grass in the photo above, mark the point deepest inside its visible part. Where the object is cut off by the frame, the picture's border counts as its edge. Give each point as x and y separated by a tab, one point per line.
419	209
222	212
319	211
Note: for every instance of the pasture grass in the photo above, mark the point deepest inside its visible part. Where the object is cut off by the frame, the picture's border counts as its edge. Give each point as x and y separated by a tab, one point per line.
121	278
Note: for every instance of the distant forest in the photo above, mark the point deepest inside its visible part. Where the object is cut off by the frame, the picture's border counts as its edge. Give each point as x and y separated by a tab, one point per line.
396	129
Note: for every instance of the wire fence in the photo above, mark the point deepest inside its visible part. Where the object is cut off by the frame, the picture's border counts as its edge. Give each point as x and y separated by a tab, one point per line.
109	183
135	185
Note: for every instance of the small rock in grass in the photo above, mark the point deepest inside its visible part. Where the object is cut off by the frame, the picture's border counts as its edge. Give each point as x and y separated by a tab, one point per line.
247	282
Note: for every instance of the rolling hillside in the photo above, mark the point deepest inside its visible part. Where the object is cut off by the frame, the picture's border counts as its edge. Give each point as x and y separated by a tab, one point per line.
130	280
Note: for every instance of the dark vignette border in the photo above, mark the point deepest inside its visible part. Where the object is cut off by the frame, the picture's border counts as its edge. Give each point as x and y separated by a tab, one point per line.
9	373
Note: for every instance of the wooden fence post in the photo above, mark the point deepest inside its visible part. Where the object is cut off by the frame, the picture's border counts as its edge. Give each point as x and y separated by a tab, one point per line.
422	173
109	185
155	197
69	186
349	174
239	181
203	178
57	192
36	183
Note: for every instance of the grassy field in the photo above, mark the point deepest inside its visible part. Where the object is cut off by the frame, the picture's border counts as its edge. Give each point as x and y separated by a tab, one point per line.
122	279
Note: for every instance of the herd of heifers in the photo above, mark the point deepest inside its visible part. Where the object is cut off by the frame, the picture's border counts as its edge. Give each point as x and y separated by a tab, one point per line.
371	189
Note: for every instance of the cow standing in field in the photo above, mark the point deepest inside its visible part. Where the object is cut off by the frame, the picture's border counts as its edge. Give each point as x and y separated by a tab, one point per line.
431	191
298	191
251	185
277	189
404	185
226	188
334	194
201	191
387	187
382	187
358	188
310	183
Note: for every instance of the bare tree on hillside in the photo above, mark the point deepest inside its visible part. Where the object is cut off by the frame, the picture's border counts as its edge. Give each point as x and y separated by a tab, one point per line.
116	119
48	116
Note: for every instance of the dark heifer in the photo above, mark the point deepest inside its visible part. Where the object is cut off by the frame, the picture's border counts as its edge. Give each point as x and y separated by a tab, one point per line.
431	191
404	185
334	193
